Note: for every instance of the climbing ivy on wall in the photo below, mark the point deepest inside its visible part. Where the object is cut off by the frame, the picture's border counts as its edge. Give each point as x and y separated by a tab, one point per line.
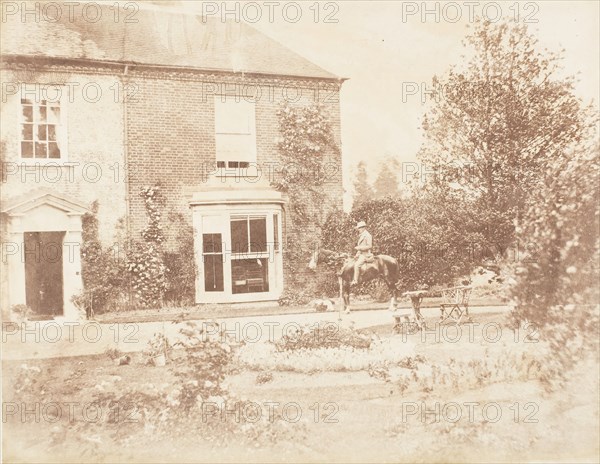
306	140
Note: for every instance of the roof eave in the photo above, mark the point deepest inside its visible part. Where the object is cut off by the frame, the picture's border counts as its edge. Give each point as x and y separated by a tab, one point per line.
129	64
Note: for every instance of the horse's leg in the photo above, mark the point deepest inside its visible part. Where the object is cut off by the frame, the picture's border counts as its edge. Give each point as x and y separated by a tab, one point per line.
346	293
392	289
391	271
342	303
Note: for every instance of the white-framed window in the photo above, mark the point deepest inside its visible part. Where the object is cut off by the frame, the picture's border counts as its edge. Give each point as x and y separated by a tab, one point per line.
235	132
43	129
250	253
238	252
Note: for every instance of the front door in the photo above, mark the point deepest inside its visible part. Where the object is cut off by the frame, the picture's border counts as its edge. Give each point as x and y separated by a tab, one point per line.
44	272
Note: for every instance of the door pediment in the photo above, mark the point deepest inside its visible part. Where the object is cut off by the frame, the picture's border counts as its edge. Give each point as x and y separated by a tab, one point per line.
24	204
44	211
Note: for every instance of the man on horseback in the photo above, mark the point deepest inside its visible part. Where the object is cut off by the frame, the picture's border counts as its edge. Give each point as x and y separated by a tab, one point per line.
363	249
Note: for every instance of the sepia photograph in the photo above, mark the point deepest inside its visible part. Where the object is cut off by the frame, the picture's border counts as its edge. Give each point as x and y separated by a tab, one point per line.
300	231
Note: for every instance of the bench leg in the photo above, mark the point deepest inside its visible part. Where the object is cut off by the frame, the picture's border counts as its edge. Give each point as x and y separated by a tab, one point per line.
416	304
467	313
445	316
460	314
397	325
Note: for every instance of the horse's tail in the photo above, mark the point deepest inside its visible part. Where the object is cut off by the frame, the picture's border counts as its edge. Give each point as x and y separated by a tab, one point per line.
395	274
392	271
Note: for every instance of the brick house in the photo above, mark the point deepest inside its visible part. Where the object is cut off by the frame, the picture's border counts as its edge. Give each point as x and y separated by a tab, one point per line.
96	110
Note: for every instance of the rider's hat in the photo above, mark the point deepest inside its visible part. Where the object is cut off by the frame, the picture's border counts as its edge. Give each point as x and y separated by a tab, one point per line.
361	224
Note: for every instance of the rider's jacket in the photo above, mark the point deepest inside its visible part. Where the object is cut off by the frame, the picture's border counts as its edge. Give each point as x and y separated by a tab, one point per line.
365	243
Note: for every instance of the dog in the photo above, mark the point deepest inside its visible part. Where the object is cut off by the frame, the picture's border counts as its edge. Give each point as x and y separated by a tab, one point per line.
324	305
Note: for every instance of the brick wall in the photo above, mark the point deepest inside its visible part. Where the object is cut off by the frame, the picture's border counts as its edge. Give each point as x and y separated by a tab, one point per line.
171	141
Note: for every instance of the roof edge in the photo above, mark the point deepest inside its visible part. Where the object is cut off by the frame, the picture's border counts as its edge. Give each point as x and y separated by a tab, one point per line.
129	64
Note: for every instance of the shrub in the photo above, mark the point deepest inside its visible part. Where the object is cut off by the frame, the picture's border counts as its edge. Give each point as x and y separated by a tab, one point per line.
21	311
322	284
295	297
201	370
146	268
264	377
180	275
556	284
145	258
198	407
103	273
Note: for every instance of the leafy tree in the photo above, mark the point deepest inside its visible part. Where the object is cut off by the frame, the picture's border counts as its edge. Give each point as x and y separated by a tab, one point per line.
386	183
508	137
362	189
496	123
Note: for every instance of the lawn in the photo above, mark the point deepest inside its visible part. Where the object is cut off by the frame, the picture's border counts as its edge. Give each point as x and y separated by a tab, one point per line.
407	398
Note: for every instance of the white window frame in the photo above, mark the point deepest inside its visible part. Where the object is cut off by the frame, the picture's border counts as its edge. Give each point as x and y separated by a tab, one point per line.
251	254
221	215
62	136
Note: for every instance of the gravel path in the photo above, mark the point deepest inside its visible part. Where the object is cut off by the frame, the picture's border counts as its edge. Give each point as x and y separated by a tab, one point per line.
53	339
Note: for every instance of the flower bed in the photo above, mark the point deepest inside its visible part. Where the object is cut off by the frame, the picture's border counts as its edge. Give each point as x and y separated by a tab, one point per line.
266	356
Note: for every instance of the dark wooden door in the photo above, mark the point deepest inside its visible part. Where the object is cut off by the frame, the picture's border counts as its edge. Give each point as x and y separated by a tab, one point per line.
44	272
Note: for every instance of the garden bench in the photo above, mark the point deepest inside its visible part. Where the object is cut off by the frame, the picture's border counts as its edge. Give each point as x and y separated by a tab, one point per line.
456	299
455	305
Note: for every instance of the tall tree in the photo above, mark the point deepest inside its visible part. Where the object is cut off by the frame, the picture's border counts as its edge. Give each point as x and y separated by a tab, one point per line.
386	183
362	189
497	121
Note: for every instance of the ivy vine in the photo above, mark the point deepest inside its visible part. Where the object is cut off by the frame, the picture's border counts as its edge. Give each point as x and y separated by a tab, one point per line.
306	138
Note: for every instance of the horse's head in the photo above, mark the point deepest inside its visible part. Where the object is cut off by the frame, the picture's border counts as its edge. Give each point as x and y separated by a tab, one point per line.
314	259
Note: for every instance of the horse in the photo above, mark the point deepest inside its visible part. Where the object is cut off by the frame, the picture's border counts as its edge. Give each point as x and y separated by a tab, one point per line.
382	266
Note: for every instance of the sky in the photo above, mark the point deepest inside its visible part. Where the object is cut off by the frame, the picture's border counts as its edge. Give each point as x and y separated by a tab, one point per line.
387	48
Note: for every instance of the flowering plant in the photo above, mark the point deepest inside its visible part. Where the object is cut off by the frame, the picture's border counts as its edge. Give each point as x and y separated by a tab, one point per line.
157	345
22	310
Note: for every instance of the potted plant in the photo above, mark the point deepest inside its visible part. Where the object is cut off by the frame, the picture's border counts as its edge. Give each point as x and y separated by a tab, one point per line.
158	347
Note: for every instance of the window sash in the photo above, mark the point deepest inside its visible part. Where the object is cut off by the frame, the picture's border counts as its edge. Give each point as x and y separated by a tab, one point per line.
244	240
42	129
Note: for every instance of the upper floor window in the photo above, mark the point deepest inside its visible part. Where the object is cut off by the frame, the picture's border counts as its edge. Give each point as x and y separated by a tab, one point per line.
42	129
235	132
